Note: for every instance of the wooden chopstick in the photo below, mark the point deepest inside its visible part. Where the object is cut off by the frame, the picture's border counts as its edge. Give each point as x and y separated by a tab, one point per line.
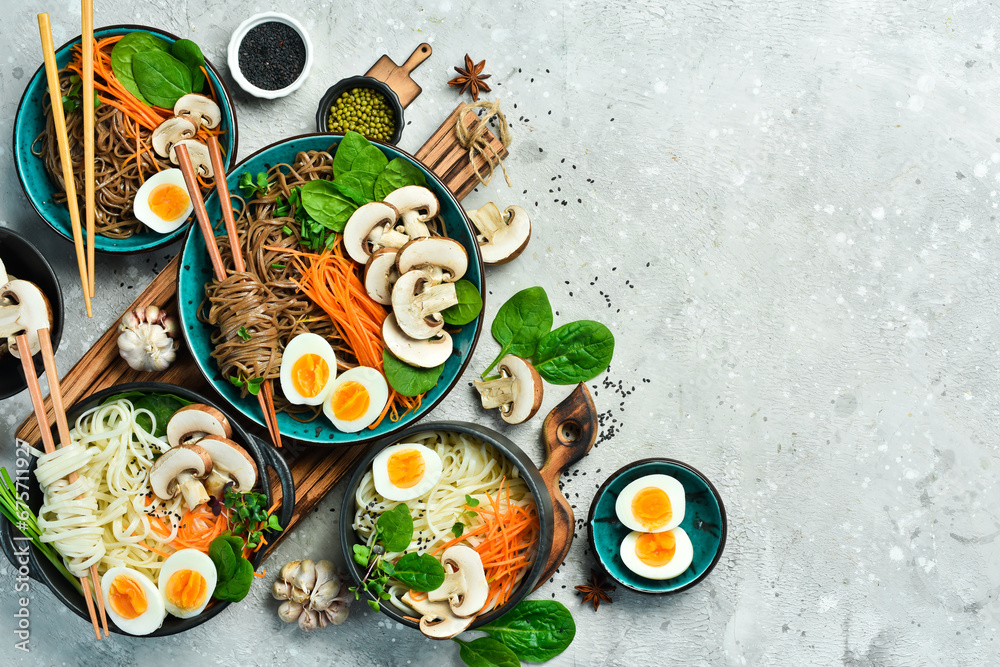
87	38
194	191
222	188
35	391
55	97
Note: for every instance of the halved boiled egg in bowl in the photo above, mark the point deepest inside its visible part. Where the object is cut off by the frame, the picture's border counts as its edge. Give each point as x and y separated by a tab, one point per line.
162	203
406	471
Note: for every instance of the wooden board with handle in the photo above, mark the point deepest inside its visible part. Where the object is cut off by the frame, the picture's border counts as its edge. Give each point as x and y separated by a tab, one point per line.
397	77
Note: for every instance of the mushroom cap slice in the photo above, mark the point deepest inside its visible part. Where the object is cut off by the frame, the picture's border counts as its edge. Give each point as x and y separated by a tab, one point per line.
380	274
170	131
448	254
465	587
169	471
197	419
198	152
4	278
510	241
417	304
199	109
437	619
23	308
416	205
423	353
360	225
518	391
229	457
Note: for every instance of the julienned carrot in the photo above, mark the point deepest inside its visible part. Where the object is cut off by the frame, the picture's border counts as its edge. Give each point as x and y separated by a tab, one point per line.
197	529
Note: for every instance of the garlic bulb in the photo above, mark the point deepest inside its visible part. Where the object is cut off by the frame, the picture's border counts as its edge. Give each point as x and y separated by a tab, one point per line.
315	594
146	340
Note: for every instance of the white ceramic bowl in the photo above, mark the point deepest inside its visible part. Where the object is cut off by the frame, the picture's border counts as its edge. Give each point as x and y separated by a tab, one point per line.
234	54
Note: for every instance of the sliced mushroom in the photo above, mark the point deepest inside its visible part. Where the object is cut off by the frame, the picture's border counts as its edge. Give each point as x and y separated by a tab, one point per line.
230	463
417	303
181	470
416	205
517	392
381	275
364	231
198	109
465	587
502	237
23	309
446	255
170	131
437	620
198	152
193	422
423	353
4	278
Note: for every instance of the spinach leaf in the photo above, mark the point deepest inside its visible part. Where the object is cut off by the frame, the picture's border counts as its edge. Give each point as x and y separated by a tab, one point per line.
535	630
352	144
421	572
190	54
520	323
121	58
371	160
325	205
406	379
397	174
162	79
358	185
395	528
486	652
470	304
234	572
575	352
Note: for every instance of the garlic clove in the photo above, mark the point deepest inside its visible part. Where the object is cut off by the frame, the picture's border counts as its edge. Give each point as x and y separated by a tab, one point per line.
289	569
290	611
336	614
305	577
281	590
308	620
323	596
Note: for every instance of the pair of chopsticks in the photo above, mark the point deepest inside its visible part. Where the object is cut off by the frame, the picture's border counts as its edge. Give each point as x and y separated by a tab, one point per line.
85	263
265	396
34	389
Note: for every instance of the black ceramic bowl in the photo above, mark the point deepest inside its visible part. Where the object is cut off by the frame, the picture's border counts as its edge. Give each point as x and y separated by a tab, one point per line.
543	503
26	262
40	569
342	86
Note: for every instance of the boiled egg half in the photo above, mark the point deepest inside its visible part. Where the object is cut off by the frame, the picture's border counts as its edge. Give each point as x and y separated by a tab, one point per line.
356	399
163	203
308	369
133	601
663	555
406	471
651	504
187	581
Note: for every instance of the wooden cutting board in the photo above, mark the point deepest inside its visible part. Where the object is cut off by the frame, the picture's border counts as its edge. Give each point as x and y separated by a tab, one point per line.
398	76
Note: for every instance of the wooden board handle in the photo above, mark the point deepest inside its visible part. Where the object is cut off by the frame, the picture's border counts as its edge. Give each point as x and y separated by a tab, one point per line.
419	55
569	432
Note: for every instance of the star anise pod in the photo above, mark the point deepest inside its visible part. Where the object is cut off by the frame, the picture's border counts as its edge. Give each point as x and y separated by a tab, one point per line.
597	591
471	78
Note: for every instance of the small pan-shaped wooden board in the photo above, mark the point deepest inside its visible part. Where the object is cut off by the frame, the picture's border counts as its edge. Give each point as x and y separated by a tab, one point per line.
397	77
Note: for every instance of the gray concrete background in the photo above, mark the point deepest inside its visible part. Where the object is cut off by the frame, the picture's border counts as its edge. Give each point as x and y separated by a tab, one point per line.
786	212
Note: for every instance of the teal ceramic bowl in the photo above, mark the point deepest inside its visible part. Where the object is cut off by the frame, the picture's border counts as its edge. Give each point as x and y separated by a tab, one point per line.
704	521
29	123
196	269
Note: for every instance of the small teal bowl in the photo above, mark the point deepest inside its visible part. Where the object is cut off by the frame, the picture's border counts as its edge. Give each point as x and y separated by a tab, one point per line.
704	521
29	123
195	270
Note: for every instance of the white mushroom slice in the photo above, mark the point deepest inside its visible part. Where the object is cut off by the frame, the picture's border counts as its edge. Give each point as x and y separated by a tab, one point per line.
198	152
199	109
193	422
181	470
517	392
4	278
23	309
381	275
423	353
358	231
437	619
230	463
502	237
465	587
434	251
416	205
417	303
169	132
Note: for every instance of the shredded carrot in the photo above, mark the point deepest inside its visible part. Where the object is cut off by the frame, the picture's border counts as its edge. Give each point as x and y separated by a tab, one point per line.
260	575
418	595
153	549
198	527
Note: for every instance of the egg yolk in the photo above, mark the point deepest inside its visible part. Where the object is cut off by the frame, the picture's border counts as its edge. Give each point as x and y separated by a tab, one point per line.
127	598
651	507
656	549
186	589
310	373
350	401
406	468
168	201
